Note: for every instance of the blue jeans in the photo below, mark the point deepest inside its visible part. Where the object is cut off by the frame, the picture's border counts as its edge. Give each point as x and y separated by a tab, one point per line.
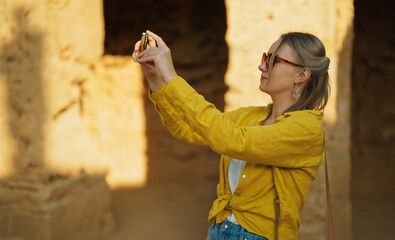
229	231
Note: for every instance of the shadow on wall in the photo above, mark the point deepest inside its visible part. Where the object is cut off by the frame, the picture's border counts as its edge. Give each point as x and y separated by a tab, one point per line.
314	218
21	69
37	203
25	100
339	142
181	178
372	121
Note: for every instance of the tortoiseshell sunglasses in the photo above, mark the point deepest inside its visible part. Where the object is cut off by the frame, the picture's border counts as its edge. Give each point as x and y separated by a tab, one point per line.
266	58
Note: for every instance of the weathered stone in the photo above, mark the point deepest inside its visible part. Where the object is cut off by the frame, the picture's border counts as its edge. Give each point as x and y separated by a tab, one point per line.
331	21
372	119
115	116
64	107
62	207
46	49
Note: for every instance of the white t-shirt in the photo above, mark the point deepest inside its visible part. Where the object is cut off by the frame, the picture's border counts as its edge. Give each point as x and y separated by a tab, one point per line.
234	173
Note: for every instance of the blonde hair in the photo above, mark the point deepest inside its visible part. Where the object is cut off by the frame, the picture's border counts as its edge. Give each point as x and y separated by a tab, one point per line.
310	53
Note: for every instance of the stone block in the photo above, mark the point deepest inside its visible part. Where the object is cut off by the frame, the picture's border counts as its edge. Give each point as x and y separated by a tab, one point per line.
62	207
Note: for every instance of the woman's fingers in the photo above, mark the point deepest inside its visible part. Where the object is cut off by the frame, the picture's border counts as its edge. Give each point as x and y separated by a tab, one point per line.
136	51
147	55
159	56
154	54
137	45
151	42
158	39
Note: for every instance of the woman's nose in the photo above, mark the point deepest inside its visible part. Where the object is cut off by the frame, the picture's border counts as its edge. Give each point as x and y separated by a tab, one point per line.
263	67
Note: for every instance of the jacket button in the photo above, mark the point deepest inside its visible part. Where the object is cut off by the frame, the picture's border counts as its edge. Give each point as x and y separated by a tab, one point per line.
244	176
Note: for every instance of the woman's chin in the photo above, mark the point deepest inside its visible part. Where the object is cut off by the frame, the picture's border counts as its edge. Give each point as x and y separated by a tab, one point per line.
262	88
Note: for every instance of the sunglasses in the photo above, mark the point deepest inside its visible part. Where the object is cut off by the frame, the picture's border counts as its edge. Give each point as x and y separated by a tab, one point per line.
266	59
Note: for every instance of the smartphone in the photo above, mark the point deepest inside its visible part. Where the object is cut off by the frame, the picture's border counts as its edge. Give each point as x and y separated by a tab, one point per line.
144	42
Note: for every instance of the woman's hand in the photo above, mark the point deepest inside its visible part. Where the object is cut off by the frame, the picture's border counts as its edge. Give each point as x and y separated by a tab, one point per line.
148	69
158	57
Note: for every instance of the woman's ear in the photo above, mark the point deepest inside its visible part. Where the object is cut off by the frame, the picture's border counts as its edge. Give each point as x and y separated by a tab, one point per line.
303	76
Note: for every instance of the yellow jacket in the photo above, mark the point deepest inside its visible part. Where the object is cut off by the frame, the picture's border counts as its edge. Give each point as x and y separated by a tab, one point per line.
282	156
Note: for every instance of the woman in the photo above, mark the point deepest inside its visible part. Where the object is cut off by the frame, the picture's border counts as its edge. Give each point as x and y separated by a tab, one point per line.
270	155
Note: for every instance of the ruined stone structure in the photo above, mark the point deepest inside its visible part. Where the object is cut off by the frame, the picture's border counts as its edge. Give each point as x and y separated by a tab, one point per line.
372	121
83	154
52	170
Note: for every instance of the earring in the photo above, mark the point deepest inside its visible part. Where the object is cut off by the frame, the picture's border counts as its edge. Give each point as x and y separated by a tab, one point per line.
296	91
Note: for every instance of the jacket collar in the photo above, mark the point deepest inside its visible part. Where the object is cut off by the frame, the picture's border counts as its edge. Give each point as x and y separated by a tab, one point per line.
316	113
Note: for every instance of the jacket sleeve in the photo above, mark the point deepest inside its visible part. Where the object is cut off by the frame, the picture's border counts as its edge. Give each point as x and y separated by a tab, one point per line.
294	141
172	119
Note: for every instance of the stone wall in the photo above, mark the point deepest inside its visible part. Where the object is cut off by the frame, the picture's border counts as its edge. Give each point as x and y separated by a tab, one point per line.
252	28
71	118
373	117
181	178
52	177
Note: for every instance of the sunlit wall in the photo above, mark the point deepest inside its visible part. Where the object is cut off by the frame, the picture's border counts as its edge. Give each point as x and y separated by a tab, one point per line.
66	108
252	27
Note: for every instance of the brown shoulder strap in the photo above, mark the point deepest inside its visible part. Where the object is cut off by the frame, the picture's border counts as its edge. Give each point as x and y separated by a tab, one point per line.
328	203
277	209
328	196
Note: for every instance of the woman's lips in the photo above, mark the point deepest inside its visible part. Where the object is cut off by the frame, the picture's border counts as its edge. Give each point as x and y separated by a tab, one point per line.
263	78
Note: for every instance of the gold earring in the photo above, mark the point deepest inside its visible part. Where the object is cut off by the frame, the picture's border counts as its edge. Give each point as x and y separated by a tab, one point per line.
296	91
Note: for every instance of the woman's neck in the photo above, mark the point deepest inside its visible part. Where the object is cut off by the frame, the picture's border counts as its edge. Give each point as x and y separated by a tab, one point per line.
278	109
